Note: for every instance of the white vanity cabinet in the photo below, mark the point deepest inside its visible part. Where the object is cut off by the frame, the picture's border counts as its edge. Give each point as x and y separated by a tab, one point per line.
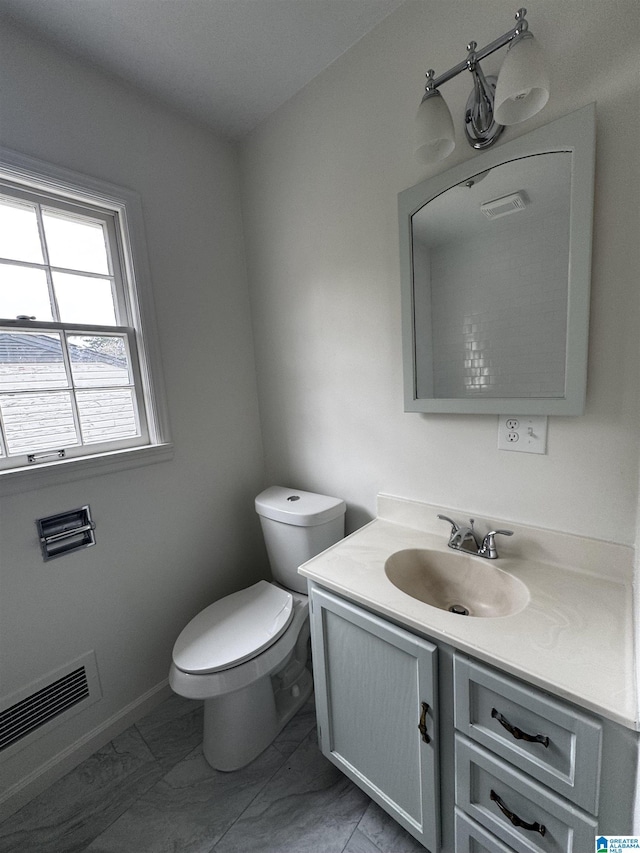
376	700
467	758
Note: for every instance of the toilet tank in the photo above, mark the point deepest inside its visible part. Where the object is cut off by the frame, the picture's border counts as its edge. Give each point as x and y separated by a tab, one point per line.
296	526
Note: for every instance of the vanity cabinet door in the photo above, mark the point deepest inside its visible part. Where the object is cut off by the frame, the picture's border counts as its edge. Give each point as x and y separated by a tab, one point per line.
376	700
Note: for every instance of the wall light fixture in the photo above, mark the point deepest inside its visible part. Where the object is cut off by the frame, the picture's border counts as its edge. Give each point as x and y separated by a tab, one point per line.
520	91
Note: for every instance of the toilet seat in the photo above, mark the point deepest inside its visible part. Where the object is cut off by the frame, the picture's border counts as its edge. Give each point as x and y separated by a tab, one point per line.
234	629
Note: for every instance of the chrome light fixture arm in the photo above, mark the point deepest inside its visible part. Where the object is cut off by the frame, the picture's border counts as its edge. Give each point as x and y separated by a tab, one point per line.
521	27
435	135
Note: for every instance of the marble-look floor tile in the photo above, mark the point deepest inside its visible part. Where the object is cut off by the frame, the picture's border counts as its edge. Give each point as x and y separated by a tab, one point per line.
359	843
189	809
297	729
308	807
170	708
124	800
386	835
76	808
173	729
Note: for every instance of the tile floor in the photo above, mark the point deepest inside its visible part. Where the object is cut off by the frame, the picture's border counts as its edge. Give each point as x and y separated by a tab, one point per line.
151	791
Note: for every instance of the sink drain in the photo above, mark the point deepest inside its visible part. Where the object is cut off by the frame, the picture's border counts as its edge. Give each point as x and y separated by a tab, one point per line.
460	609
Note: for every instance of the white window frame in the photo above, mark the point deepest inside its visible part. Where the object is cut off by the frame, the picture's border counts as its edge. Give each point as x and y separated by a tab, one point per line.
125	207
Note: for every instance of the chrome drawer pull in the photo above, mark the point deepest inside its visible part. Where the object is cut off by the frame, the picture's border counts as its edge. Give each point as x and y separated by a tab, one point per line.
517	733
422	725
515	820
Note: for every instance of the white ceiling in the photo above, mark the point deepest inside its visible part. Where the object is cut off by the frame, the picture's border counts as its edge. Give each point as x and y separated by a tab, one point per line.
227	63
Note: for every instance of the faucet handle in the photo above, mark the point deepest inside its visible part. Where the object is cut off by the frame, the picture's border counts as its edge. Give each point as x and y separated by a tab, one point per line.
488	547
454	524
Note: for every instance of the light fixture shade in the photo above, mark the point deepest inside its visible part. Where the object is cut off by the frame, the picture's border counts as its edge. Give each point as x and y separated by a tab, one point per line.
522	89
435	136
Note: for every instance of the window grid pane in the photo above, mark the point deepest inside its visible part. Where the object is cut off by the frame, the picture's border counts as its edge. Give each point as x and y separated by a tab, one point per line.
74	388
24	291
96	408
99	360
31	361
75	243
108	414
35	422
84	299
19	235
61	247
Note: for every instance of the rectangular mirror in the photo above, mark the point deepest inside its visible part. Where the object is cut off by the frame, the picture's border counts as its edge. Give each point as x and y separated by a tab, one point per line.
495	269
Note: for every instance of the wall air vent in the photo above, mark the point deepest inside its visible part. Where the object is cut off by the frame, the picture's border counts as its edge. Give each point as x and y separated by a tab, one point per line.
505	205
49	701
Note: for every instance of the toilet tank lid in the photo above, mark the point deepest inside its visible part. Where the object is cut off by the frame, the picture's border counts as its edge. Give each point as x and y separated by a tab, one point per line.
294	506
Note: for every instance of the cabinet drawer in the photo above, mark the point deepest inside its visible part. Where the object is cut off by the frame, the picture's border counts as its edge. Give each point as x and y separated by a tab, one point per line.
473	838
500	713
499	798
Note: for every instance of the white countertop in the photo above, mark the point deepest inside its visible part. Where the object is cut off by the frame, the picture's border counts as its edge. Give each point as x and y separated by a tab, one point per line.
574	638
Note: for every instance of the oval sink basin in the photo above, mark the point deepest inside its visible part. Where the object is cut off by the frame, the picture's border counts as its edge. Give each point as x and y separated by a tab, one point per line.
457	582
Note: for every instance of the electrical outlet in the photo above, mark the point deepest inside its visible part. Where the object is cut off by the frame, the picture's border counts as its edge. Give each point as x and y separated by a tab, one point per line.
525	433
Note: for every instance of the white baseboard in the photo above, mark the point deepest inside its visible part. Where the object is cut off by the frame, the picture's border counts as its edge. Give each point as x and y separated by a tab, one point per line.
39	780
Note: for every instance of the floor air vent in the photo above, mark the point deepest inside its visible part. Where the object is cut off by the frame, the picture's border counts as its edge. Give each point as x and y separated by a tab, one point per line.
49	701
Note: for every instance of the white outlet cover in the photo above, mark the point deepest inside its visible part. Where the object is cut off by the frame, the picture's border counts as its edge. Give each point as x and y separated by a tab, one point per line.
522	433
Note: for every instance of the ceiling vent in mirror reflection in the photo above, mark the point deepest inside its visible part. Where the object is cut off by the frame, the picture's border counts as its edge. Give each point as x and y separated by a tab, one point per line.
505	205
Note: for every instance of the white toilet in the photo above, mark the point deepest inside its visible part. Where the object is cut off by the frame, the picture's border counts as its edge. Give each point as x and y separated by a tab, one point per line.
246	654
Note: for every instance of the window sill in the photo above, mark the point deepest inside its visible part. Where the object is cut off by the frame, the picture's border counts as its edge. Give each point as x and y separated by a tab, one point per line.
56	473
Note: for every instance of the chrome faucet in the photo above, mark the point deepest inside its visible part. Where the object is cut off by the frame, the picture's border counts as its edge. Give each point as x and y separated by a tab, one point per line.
466	539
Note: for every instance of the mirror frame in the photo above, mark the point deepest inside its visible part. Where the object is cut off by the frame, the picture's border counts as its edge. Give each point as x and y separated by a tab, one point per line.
574	133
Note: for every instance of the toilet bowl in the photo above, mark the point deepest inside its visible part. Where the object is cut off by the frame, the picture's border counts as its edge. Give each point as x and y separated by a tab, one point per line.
246	654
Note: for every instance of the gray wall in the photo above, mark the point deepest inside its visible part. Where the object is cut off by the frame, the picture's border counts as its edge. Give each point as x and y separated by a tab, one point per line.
173	536
320	184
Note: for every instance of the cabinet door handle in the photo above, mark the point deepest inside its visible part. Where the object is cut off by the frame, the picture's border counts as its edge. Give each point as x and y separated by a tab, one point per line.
422	725
517	733
515	820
